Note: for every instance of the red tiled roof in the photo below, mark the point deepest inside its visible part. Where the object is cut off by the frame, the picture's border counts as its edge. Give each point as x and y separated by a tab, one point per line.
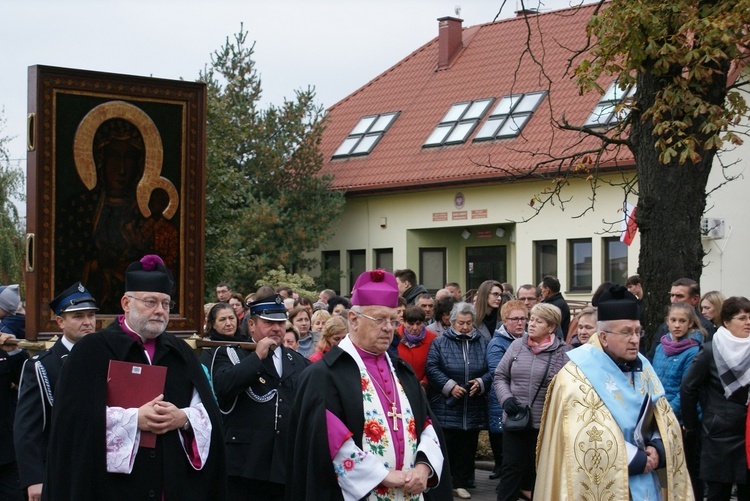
493	63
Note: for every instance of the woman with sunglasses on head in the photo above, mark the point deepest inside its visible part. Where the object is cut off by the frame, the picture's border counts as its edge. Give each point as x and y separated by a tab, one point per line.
520	384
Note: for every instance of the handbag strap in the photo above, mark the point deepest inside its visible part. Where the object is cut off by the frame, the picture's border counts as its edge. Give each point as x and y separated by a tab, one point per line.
546	370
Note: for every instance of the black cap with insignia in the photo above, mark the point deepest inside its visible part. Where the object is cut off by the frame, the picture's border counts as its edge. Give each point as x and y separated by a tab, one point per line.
269	308
74	298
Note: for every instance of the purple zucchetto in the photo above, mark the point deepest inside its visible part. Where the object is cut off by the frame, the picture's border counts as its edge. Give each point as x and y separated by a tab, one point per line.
149	275
375	288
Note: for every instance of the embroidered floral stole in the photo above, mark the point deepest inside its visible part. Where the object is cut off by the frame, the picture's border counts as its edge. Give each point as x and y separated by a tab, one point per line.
377	436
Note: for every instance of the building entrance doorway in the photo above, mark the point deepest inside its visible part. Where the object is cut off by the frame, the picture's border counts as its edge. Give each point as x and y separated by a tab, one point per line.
485	263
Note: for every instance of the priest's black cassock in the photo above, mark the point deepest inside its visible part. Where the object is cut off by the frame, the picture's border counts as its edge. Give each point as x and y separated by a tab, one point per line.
77	464
333	384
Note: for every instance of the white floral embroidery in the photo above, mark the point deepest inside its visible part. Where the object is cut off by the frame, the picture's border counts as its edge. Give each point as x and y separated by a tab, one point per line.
348	463
122	439
611	385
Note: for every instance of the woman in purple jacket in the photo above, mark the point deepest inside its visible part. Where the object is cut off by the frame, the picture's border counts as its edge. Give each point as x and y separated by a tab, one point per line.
521	381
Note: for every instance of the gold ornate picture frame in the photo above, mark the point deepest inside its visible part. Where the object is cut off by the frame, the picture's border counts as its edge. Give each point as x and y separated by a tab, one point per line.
115	171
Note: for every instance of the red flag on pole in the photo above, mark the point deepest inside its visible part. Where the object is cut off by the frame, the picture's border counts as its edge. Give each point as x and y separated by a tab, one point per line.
629	228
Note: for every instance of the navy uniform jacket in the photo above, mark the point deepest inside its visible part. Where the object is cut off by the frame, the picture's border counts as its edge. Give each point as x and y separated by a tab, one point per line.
34	413
256	403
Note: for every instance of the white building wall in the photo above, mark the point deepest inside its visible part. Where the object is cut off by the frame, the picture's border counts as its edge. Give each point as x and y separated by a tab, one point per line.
433	219
726	265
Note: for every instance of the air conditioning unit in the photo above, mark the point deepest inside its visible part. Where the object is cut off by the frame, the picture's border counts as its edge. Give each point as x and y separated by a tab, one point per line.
712	228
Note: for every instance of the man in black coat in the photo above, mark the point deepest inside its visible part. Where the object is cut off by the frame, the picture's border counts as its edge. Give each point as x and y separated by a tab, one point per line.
256	390
361	419
408	286
97	451
11	362
75	314
551	294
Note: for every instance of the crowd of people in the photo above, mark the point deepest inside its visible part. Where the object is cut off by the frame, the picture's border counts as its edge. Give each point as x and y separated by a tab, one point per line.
380	395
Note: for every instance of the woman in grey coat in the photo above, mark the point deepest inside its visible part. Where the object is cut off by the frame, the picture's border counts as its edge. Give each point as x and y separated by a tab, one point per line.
521	380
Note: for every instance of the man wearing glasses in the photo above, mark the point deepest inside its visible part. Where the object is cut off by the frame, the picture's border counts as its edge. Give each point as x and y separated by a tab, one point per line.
362	424
99	451
607	427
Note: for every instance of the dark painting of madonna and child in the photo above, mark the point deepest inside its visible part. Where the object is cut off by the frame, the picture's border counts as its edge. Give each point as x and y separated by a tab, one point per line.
119	212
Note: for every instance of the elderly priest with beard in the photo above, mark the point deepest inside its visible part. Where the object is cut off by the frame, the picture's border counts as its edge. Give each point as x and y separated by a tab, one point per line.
607	430
363	426
168	448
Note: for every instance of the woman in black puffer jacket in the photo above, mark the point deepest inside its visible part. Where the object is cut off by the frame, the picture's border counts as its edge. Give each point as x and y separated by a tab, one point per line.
458	374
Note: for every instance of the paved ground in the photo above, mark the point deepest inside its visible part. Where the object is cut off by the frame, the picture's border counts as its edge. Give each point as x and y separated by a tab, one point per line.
485	489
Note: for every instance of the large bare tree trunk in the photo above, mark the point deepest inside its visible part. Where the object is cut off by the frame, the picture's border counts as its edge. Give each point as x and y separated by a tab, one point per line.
671	202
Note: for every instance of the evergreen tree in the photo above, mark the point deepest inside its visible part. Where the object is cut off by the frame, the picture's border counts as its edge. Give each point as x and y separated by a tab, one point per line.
266	201
11	232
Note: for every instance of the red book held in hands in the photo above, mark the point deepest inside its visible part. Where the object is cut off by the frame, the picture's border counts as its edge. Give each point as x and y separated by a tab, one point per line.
130	385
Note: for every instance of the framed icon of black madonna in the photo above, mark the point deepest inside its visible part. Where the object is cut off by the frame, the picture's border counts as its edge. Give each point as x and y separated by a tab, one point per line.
116	170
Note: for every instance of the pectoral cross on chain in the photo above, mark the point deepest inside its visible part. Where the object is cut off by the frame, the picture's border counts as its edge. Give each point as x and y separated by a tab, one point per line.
395	415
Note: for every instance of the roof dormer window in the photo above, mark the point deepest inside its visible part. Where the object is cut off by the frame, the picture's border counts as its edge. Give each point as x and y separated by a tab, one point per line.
458	124
365	135
608	111
510	116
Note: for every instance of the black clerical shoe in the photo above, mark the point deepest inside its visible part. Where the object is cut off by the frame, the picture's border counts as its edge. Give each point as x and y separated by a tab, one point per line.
495	473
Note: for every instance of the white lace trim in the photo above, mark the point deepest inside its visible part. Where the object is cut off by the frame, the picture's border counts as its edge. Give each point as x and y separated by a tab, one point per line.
122	439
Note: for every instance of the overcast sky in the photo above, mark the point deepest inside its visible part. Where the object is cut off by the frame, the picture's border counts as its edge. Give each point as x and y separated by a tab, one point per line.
334	45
